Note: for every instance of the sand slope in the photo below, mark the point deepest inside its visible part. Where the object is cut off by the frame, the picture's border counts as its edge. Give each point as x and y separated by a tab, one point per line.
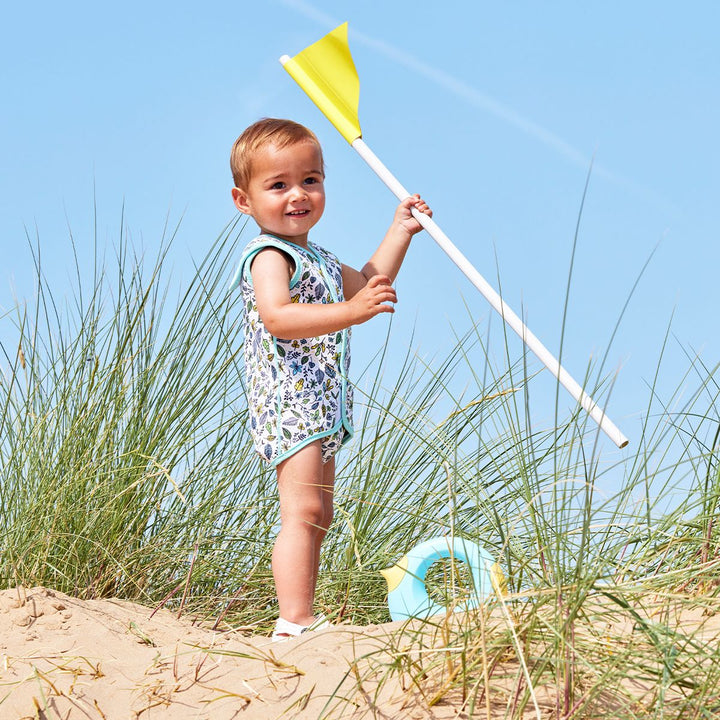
68	658
61	657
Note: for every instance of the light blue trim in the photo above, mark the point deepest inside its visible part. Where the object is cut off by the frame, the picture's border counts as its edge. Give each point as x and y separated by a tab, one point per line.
323	267
312	438
344	344
278	396
243	269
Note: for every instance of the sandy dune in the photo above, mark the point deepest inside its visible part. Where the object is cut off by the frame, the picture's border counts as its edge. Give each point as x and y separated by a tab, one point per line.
61	657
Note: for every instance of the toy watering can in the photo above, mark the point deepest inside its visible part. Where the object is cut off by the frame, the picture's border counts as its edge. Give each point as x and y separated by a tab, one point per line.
407	593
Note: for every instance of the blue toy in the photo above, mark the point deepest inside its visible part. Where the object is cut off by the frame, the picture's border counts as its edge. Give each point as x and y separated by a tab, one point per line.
407	594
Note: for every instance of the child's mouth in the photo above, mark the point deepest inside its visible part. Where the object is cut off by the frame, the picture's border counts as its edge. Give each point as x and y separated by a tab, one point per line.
298	213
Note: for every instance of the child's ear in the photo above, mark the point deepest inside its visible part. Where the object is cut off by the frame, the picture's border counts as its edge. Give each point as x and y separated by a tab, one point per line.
241	200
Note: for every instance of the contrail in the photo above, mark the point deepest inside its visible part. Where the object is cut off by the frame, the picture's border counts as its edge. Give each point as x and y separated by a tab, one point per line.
476	99
449	83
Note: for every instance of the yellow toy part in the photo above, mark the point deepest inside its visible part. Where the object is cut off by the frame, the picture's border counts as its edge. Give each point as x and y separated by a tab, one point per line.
407	593
396	573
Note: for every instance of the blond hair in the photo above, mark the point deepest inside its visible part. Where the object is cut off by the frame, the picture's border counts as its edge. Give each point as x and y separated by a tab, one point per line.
268	131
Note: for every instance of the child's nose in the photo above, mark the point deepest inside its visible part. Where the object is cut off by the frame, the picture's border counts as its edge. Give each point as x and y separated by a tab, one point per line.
298	192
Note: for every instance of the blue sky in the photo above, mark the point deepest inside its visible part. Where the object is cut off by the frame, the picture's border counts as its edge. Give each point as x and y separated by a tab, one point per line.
493	111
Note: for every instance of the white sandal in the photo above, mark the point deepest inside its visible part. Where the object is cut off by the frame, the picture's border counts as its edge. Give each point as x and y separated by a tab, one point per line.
284	629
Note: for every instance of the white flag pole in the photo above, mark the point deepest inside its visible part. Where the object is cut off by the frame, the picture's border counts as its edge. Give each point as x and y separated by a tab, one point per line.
544	355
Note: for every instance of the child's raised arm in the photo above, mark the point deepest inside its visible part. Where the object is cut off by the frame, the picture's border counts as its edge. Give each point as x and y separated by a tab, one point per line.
388	258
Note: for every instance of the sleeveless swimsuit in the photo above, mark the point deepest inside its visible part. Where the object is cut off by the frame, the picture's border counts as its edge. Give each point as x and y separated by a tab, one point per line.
297	390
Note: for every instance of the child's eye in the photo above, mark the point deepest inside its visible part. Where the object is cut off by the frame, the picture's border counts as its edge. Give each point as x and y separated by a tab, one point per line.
277	186
311	181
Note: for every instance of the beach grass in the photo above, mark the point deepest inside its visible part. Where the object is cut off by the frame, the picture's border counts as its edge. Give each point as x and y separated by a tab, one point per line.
127	471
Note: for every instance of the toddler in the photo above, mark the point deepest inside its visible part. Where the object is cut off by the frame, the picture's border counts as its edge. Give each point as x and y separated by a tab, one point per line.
300	303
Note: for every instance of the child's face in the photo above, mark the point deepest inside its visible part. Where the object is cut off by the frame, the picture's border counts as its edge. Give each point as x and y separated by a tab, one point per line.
286	192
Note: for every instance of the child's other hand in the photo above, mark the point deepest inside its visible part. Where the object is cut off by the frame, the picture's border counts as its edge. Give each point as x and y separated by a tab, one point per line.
373	299
403	214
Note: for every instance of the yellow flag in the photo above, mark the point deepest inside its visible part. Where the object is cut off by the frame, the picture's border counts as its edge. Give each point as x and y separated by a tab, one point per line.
326	72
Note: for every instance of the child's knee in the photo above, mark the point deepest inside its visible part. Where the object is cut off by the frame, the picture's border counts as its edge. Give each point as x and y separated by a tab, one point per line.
314	515
320	515
310	513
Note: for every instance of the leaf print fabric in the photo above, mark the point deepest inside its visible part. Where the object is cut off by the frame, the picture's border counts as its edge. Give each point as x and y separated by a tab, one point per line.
297	390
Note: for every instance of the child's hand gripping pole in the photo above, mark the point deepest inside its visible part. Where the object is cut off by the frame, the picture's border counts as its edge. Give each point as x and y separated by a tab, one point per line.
544	355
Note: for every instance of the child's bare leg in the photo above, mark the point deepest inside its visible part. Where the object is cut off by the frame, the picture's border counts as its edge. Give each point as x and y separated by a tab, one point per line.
328	488
304	522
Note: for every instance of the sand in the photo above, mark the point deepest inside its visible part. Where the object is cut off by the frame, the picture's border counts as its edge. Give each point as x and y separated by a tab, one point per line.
61	657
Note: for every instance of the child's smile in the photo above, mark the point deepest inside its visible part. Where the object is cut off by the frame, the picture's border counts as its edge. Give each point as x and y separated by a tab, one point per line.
286	194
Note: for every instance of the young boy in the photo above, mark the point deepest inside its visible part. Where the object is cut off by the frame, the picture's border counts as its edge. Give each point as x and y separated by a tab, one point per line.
300	303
